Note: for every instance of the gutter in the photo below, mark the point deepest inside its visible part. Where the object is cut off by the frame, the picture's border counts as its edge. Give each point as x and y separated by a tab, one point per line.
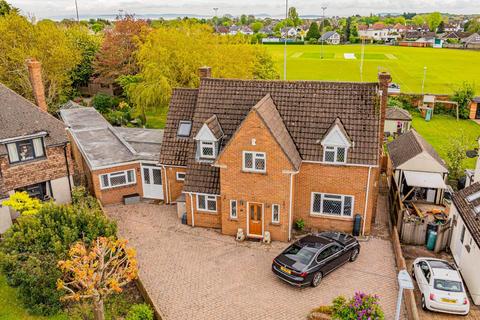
167	194
366	201
191	206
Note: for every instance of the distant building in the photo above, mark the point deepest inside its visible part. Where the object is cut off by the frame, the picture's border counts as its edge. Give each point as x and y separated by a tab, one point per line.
330	37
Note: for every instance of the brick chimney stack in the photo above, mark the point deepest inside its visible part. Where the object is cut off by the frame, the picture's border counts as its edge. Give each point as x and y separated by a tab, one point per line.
384	80
35	75
205	72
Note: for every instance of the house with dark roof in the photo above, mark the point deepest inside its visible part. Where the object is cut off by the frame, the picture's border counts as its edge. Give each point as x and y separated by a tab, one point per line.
330	37
113	162
397	121
465	239
260	155
418	170
34	148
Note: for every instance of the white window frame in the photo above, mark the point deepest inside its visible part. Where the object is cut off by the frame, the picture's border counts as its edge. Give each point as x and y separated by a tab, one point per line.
184	122
273	209
208	144
178	178
236	209
335	150
255	155
321	213
38	146
117	173
208	197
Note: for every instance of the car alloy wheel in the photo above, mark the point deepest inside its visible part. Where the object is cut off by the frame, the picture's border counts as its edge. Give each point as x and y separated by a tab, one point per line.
424	304
317	278
354	255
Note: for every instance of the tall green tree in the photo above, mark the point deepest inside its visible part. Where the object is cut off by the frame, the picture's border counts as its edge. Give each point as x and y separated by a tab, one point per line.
473	25
433	20
463	96
48	43
441	27
313	31
293	15
170	57
6	8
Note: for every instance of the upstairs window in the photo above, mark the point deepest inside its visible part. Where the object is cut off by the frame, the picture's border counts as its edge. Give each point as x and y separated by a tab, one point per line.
184	128
335	154
25	150
254	161
207	150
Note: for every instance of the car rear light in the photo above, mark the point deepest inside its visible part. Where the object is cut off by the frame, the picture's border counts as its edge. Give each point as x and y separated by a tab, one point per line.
432	297
465	301
303	274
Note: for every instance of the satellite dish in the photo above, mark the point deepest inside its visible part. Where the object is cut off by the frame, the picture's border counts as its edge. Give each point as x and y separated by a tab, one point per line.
472	153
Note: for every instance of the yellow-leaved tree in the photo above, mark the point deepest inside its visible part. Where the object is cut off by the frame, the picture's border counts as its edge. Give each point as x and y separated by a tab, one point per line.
96	272
23	203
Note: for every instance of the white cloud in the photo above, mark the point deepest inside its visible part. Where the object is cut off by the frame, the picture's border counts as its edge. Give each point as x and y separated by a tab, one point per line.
42	9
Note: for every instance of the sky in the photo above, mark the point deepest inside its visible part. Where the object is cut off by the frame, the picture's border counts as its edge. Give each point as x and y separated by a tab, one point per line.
66	8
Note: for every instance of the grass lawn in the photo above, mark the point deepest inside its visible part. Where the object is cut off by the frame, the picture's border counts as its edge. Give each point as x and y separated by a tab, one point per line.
11	308
156	118
442	128
446	68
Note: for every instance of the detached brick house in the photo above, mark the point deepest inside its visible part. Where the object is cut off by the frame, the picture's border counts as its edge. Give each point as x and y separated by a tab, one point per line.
258	155
34	148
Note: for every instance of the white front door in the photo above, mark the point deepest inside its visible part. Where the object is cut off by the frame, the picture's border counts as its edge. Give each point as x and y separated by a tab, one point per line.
152	182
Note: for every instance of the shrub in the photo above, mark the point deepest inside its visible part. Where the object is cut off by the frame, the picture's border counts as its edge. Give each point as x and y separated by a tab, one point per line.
463	96
104	103
299	224
32	246
140	312
21	202
361	307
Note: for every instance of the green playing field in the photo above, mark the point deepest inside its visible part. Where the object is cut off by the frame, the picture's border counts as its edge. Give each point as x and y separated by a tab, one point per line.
446	68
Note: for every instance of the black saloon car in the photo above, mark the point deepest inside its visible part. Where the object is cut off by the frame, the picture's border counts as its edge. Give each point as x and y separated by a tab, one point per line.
309	259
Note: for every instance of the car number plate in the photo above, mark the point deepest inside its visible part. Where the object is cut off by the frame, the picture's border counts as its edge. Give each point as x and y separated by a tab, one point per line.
448	300
286	270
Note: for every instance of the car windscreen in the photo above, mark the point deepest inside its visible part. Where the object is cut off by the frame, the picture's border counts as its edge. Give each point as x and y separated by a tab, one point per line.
300	254
447	285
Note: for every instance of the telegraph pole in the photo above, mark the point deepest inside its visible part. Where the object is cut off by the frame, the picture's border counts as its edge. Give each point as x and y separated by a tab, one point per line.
323	23
285	45
76	8
216	19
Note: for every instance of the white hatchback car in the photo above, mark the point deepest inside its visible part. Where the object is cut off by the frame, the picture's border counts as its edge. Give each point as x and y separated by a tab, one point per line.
441	286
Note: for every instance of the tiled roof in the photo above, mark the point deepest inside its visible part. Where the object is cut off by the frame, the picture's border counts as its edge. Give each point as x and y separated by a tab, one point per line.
466	210
19	117
215	127
394	113
308	108
174	149
268	112
409	145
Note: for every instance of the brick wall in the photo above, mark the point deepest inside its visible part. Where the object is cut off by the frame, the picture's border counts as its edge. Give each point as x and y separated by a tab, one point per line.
54	166
115	195
81	174
346	180
203	219
272	187
175	186
473	110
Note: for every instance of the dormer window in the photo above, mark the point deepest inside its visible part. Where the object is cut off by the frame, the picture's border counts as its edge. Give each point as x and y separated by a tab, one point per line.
207	149
336	144
25	150
208	140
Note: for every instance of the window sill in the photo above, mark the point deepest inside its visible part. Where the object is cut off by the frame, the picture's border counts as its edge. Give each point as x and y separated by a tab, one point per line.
275	224
19	163
233	219
255	172
333	217
206	212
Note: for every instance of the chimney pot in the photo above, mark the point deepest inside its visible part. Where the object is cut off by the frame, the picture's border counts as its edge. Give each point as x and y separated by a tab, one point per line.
205	72
35	75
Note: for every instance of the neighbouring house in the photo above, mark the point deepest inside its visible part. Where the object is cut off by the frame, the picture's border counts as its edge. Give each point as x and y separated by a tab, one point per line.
223	30
474	108
472	41
418	170
330	37
397	121
465	240
377	32
113	162
246	30
34	148
260	155
234	30
399	28
289	32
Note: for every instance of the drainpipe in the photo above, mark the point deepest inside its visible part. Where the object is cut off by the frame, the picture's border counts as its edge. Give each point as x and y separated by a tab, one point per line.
366	201
167	194
68	169
290	206
191	206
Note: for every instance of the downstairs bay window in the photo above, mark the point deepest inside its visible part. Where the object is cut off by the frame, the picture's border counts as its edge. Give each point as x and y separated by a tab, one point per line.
332	205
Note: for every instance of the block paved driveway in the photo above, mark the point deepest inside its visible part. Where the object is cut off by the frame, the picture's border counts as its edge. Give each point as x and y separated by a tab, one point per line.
197	273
